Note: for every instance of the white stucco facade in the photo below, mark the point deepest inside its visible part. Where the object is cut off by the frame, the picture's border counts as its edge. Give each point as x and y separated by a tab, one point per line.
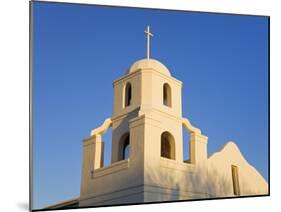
147	117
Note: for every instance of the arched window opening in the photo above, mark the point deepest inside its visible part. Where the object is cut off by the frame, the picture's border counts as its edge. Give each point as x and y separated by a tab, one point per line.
107	148
167	146
128	94
126	152
167	95
125	147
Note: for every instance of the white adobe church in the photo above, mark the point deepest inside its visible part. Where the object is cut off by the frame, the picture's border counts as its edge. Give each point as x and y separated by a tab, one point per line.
147	148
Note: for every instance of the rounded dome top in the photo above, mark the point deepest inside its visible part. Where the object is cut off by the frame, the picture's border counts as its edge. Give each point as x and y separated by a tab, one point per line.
149	64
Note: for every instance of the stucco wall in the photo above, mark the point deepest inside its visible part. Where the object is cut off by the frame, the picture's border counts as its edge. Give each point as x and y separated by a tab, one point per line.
220	177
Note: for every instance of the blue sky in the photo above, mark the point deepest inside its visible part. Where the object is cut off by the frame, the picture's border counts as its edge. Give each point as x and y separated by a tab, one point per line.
79	50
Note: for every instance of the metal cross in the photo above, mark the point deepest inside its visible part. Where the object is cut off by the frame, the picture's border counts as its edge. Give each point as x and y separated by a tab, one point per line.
148	34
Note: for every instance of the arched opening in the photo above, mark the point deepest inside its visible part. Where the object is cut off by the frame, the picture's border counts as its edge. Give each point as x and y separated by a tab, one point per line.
126	151
167	146
107	147
167	95
124	147
128	94
186	145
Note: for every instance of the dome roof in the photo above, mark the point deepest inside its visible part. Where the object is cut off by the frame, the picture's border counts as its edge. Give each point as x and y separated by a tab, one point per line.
149	64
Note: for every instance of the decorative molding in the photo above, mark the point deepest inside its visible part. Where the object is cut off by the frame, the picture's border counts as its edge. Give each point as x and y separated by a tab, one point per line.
103	128
187	125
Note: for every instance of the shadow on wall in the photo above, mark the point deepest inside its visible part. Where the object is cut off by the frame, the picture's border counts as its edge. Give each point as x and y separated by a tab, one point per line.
248	181
168	180
182	181
185	182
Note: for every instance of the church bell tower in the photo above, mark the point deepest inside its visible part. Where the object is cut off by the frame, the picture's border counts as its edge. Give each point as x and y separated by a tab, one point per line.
147	141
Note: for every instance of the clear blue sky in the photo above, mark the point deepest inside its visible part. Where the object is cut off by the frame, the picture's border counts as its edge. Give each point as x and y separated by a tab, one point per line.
79	50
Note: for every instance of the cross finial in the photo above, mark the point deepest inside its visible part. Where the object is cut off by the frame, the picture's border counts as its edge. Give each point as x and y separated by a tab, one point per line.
148	34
